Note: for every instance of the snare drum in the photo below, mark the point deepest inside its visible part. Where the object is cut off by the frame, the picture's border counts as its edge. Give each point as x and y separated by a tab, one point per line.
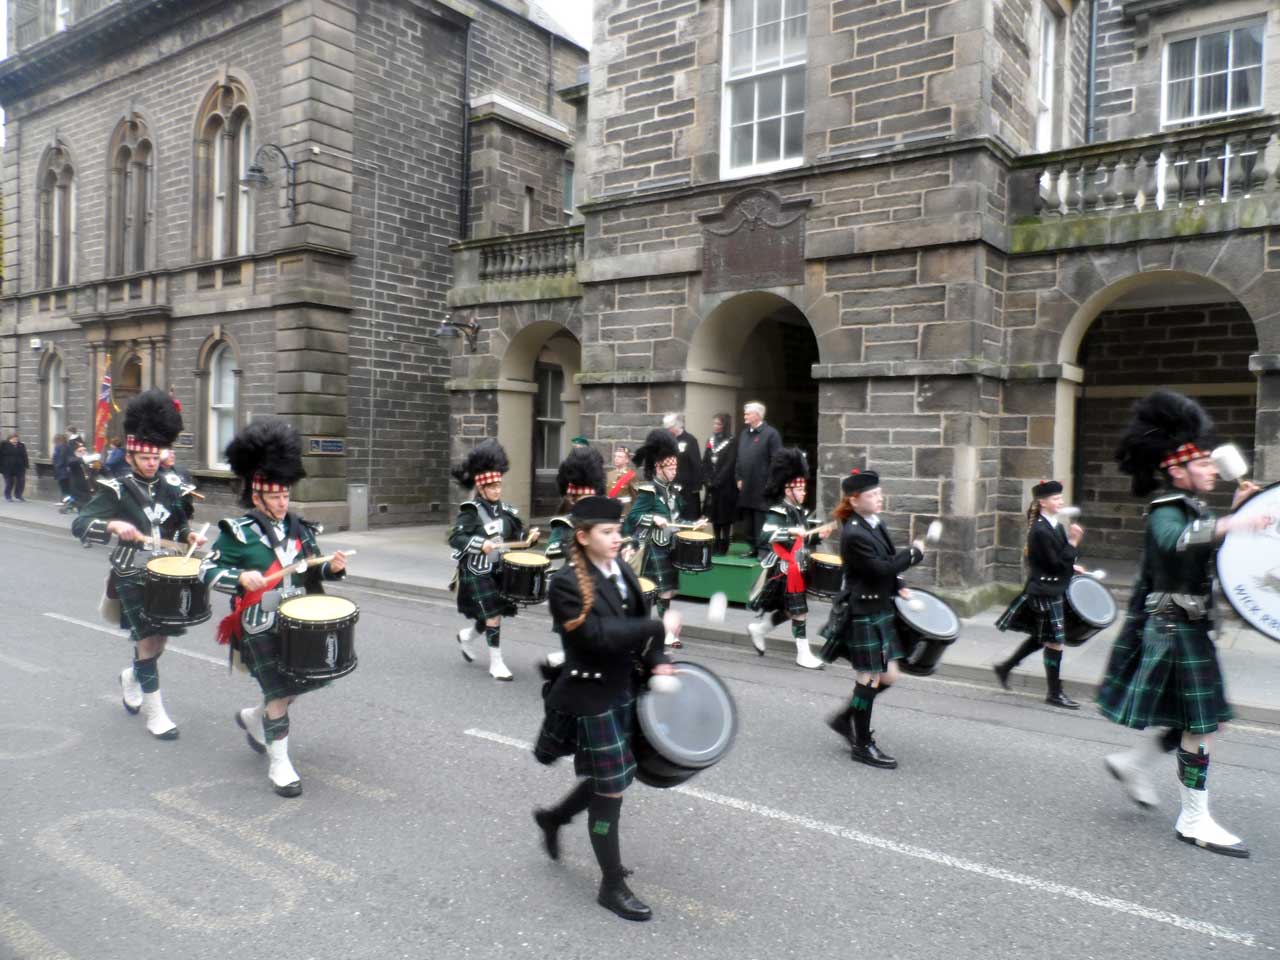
648	590
1089	608
523	578
824	576
317	636
173	594
925	632
691	551
680	733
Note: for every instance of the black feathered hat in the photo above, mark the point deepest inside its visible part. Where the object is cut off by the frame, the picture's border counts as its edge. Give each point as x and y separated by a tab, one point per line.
151	422
786	467
1046	488
659	445
595	509
859	480
267	456
484	463
1166	429
581	473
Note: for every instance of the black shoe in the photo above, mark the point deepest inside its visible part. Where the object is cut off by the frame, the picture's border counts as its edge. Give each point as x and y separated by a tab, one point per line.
1002	674
289	789
1060	699
842	723
617	896
550	827
873	756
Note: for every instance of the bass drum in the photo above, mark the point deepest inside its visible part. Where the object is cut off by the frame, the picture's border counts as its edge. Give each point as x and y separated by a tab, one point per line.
925	631
1249	565
1089	608
680	733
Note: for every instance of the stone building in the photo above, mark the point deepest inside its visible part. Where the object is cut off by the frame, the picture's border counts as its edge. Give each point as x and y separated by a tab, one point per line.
951	240
134	246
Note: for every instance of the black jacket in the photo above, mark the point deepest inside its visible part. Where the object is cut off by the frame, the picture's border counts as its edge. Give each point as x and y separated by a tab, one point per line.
689	471
755	449
871	566
719	474
600	654
13	458
1050	558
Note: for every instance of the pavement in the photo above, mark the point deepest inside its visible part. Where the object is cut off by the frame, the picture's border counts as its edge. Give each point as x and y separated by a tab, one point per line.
415	560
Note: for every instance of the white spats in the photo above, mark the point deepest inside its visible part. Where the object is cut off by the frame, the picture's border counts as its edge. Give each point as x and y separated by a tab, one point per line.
497	668
464	644
130	690
250	721
1196	826
1131	769
804	657
284	779
158	723
757	630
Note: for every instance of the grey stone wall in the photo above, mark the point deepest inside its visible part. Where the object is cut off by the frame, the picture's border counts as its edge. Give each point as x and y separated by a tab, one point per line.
507	161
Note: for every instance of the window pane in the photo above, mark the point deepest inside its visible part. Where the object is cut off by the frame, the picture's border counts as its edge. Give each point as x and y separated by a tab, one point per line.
769	10
1248	46
769	141
743	14
793	143
795	91
769	102
743	108
796	7
1213	52
768	46
553	444
555	406
740	146
1182	59
740	53
1246	88
1213	94
1179	104
793	39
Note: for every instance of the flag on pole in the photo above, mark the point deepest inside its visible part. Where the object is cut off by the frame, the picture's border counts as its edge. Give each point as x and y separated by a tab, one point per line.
103	414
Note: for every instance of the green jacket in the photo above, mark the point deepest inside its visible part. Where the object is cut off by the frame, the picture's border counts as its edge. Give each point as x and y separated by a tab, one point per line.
153	506
1180	546
653	499
559	537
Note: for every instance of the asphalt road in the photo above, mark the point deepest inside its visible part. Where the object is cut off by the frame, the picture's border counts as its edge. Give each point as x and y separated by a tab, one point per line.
999	836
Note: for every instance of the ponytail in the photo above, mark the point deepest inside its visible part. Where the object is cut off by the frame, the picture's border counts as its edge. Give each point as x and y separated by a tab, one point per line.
1033	514
843	510
586	588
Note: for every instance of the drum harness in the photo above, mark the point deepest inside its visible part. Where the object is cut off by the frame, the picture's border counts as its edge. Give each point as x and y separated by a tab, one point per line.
122	557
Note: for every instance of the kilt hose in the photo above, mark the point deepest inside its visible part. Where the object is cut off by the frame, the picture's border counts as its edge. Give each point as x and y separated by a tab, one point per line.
1165	676
261	654
869	642
131	592
479	597
600	745
1043	618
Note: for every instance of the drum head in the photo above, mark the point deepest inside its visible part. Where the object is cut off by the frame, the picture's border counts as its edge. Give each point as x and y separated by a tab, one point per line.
697	535
1092	602
830	558
935	619
317	608
523	558
174	566
1249	566
693	727
647	585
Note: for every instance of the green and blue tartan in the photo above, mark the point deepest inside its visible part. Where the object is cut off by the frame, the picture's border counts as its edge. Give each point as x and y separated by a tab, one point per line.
261	654
1043	618
479	597
869	642
775	596
600	745
658	568
131	592
1164	674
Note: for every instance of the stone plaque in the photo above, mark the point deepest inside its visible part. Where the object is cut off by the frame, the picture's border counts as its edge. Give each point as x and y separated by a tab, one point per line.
185	441
326	447
756	242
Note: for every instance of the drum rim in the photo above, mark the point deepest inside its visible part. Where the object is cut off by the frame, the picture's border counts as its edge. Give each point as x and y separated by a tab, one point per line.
174	576
536	561
1092	621
899	603
820	557
1245	614
281	614
696	536
687	759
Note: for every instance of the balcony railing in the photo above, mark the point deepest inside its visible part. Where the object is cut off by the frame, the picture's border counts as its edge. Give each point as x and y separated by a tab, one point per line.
1178	168
548	253
49	21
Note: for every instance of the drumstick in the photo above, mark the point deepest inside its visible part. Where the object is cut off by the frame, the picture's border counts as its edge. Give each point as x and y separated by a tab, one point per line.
302	566
934	533
192	549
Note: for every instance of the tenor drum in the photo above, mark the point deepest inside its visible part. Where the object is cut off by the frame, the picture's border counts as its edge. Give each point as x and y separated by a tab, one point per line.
648	590
317	637
680	733
1089	608
691	551
524	577
925	632
825	575
1248	565
173	594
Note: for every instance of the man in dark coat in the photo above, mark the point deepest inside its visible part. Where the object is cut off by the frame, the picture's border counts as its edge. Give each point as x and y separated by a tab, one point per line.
14	465
689	469
756	446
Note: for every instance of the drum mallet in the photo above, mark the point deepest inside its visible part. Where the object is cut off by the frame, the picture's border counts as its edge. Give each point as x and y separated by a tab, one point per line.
203	531
664	683
1230	462
1069	513
934	533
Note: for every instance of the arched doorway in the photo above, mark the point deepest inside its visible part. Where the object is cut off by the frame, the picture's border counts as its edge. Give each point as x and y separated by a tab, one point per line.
1162	329
538	412
126	385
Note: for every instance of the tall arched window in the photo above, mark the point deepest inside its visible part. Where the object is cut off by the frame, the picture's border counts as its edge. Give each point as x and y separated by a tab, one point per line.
56	219
129	198
55	400
223	389
224	149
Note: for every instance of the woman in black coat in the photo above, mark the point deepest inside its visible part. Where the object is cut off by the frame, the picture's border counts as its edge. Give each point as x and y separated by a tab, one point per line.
14	465
719	463
603	620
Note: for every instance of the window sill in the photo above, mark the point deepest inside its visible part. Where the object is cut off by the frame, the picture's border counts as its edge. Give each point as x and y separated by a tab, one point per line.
741	173
1192	122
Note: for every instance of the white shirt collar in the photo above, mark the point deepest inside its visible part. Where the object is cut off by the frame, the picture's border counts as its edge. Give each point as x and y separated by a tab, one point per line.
872	521
610	569
1052	521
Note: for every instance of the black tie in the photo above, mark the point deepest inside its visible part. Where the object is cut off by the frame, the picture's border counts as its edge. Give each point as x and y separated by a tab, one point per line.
617	583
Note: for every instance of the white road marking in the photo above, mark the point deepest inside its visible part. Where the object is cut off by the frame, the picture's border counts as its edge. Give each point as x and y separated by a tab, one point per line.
123	634
1051	887
343	782
26	941
22	665
16	732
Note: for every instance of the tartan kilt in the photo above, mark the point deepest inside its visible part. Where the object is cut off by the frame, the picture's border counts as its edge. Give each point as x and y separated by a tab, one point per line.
1165	676
775	596
869	642
131	592
479	597
658	568
261	654
1041	617
600	745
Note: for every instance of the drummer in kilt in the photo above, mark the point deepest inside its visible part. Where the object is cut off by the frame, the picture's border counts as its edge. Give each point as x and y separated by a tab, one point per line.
786	528
862	626
581	474
135	508
267	457
1051	554
1163	670
604	625
483	525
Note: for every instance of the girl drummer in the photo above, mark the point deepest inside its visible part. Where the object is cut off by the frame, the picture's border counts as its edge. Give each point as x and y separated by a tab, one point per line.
604	625
1051	551
867	637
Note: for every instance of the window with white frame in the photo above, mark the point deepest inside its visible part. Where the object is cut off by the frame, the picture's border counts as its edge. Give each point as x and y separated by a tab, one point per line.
222	404
223	222
568	190
548	417
55	401
1046	68
56	219
762	118
1214	74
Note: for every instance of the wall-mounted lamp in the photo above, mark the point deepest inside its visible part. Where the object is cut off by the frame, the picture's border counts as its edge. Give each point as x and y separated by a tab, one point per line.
257	177
452	329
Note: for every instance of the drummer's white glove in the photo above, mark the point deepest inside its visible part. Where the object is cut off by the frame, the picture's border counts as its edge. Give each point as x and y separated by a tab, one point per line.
664	683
